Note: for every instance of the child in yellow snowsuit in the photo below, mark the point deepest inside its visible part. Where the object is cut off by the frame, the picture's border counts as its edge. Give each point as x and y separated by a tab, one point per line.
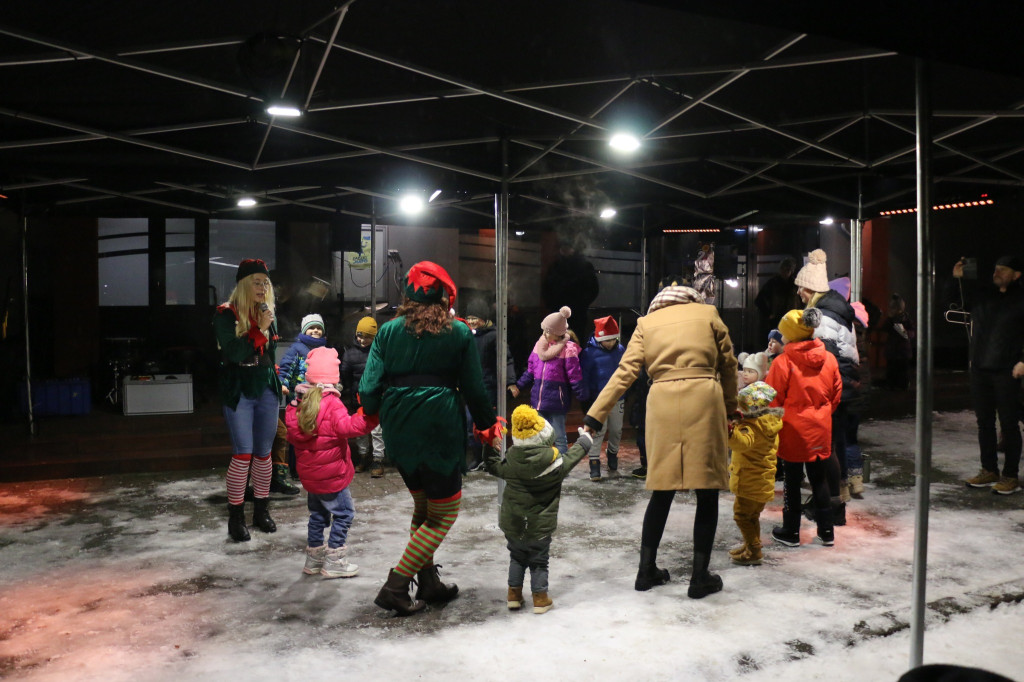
754	441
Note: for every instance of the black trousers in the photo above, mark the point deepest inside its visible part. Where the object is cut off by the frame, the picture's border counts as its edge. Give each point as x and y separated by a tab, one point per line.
996	393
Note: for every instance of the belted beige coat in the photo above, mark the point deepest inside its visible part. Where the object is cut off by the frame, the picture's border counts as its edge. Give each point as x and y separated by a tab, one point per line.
689	357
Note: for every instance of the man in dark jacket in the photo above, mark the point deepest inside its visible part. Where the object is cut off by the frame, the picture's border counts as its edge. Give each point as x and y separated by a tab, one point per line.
478	319
777	297
571	281
997	364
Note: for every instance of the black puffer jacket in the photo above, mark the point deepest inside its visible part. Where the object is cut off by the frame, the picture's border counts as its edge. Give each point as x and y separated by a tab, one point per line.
997	318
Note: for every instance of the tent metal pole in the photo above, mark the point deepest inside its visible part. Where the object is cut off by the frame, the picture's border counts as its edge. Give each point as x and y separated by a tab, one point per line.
24	301
925	294
501	287
373	257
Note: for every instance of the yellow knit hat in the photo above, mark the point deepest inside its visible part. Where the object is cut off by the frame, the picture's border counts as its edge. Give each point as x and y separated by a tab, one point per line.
528	427
799	325
367	326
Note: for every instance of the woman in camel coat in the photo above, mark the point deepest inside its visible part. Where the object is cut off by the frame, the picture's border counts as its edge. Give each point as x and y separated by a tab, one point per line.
688	354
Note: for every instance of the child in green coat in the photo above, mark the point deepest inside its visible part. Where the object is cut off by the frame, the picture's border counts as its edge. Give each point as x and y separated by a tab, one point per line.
533	470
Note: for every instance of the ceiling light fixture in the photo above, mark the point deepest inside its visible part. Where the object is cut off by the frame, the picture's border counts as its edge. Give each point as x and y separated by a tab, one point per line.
624	142
825	221
435	195
411	203
245	202
284	110
608	213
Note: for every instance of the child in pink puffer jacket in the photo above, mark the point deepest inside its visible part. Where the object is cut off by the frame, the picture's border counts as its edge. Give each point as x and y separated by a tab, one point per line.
319	427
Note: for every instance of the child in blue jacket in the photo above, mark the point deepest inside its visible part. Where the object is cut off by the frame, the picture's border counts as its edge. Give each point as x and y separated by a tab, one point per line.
599	360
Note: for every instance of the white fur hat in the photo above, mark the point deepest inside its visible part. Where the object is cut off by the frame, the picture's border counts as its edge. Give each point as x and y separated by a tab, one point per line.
757	362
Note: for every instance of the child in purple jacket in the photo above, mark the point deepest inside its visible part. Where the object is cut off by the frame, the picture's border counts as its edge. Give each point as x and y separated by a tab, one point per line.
554	368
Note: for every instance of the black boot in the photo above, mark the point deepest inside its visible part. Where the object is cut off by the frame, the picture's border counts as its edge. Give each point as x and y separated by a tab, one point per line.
236	523
261	515
595	470
429	587
838	513
279	481
613	461
394	596
649	575
703	582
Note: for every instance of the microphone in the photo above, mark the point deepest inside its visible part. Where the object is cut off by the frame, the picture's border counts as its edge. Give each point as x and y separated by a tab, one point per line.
264	307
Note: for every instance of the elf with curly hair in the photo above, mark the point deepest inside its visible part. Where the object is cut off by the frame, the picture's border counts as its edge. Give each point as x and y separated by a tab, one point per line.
422	366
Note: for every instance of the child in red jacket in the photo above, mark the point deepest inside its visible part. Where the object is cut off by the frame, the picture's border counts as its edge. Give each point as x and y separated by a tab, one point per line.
808	386
319	427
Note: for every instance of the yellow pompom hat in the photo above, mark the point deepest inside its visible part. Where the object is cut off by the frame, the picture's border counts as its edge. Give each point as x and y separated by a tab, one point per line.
799	325
529	428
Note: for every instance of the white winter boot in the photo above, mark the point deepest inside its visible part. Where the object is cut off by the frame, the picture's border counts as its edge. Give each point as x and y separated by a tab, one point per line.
314	560
336	565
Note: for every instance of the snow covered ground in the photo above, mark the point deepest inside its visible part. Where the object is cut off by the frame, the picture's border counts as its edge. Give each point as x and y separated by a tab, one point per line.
134	578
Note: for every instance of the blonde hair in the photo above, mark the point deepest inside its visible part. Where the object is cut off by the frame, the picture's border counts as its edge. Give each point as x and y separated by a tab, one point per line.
572	335
310	409
245	305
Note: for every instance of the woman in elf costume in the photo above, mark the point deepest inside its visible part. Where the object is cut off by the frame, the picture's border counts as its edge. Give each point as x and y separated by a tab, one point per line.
422	365
250	390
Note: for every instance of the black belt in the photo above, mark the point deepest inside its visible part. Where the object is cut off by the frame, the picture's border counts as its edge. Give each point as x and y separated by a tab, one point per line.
417	380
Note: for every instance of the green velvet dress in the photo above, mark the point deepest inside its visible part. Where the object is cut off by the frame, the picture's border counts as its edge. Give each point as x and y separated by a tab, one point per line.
425	424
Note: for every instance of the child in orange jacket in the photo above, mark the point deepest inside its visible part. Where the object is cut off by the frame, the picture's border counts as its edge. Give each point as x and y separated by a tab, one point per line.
808	386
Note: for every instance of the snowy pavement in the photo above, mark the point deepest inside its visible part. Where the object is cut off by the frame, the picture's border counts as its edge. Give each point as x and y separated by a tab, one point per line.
134	578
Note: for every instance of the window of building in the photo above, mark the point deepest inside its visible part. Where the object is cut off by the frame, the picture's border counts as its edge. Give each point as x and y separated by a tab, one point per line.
180	261
232	241
123	261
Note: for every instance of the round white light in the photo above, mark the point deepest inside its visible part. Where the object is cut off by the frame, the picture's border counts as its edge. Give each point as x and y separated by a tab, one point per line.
608	213
624	142
732	283
520	233
246	202
411	203
826	221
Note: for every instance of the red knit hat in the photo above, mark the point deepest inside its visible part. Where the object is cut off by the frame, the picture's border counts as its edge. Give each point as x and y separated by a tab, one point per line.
605	328
322	366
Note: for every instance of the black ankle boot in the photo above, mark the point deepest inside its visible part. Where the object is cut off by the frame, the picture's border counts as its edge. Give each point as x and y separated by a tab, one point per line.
649	575
236	523
613	461
429	587
261	515
394	596
703	582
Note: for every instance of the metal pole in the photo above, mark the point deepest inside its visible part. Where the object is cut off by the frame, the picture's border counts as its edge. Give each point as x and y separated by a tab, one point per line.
24	301
856	259
373	257
501	286
925	291
644	290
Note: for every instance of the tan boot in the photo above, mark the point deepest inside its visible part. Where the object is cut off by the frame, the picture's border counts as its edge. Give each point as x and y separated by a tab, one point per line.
541	602
737	551
514	600
844	491
857	486
751	557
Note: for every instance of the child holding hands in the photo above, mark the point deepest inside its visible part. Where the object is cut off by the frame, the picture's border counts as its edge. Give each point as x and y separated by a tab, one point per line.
533	471
319	427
